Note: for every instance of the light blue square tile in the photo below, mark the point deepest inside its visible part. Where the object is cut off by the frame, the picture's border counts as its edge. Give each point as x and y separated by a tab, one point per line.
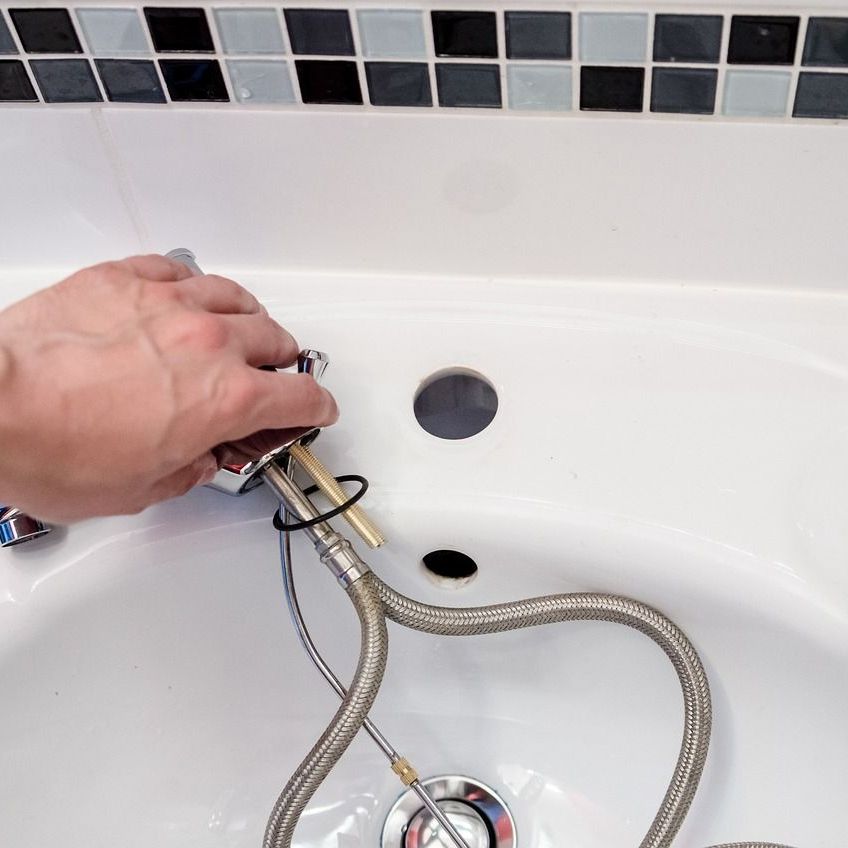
546	87
250	30
392	33
756	93
113	32
609	37
261	81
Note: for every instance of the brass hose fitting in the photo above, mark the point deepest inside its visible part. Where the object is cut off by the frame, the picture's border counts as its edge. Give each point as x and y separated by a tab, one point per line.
404	770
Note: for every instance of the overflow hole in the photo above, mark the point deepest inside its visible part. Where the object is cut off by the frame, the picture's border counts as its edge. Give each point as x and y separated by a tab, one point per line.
450	569
455	404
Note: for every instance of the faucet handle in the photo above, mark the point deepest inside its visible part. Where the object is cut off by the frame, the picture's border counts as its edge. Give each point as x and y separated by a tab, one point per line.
312	362
186	257
239	479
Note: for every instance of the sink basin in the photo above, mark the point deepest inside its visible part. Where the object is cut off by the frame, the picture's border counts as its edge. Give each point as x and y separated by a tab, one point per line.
688	448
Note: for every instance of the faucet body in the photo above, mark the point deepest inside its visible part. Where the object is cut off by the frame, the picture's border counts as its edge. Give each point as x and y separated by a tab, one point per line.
16	527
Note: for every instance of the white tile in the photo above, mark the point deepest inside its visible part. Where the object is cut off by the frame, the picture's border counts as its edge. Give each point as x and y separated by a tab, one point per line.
250	31
608	37
261	81
756	93
392	33
544	87
113	32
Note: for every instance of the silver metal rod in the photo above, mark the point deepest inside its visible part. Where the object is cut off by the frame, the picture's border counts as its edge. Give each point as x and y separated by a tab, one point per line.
333	549
309	645
438	814
373	731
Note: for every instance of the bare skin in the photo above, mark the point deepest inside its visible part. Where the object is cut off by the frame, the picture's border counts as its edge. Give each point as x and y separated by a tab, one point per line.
131	382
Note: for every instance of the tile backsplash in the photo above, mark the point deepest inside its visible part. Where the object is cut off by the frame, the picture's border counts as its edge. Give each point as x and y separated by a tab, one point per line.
649	62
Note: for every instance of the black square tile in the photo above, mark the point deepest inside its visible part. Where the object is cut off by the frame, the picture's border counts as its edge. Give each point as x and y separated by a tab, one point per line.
194	79
469	85
827	42
65	80
320	32
14	82
689	91
821	96
328	81
179	30
538	35
687	38
398	83
45	30
471	34
762	40
130	80
7	43
611	89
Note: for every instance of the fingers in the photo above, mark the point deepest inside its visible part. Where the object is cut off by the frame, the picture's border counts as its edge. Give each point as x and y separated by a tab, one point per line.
293	400
261	340
256	445
157	268
218	294
209	292
196	473
264	400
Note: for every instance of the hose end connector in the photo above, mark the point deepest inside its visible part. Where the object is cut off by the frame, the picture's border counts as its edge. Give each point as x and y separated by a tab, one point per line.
404	770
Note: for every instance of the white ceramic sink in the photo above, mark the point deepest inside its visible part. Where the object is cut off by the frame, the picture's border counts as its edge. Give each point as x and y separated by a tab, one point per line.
686	447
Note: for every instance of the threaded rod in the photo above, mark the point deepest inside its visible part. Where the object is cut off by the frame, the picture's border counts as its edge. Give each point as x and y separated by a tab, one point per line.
355	515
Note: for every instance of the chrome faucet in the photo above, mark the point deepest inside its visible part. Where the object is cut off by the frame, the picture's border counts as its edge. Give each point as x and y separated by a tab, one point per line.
16	527
240	479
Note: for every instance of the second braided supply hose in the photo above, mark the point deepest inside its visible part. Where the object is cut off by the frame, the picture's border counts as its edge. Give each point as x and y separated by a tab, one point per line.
347	721
498	618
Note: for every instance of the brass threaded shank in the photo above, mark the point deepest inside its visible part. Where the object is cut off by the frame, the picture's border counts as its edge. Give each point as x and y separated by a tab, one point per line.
327	483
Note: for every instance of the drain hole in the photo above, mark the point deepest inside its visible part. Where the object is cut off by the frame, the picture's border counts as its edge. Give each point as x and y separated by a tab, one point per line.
455	404
450	568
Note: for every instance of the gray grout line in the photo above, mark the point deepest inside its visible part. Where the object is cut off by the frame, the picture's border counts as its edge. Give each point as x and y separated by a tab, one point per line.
722	63
430	47
290	65
218	55
575	61
796	65
353	18
649	57
500	35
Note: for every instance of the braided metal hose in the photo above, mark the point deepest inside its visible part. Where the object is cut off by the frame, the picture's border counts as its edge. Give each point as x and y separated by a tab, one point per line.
497	618
335	740
374	600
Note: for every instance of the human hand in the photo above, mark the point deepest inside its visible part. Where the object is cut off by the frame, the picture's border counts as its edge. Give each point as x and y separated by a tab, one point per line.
120	385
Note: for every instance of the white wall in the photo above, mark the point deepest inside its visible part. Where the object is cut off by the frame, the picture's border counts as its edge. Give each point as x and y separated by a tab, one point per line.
472	194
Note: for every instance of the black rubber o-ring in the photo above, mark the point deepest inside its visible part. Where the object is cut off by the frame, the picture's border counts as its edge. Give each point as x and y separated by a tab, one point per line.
280	525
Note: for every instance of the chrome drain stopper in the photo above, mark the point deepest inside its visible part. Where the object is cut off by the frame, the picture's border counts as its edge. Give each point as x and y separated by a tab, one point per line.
474	809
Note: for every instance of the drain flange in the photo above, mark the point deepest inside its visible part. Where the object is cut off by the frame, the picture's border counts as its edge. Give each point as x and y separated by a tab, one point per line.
475	810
